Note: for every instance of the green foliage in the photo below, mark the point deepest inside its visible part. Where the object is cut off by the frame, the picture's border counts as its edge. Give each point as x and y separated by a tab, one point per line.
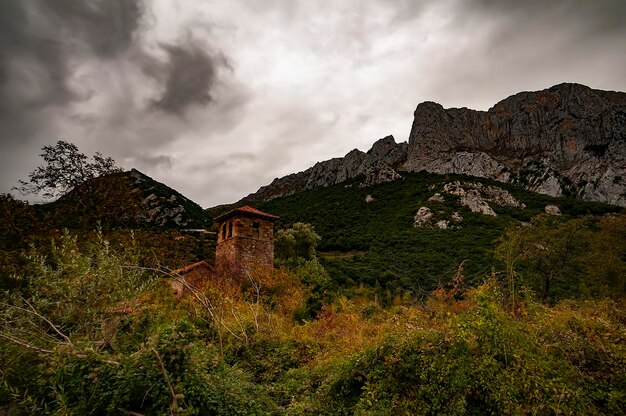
318	283
562	258
122	200
605	261
17	222
91	333
296	245
91	327
482	360
394	253
109	201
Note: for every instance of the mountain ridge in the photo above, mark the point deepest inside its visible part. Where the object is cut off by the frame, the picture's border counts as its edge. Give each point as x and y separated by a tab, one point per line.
566	140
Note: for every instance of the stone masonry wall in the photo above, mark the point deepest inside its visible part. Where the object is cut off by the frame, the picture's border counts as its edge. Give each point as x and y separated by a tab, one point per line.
248	247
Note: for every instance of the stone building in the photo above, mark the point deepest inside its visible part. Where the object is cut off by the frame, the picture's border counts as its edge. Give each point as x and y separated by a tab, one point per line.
196	275
245	241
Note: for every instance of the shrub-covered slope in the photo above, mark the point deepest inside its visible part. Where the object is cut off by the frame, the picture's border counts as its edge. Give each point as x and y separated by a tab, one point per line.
368	233
125	199
96	333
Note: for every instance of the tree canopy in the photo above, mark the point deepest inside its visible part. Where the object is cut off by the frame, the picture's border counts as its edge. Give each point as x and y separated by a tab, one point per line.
296	245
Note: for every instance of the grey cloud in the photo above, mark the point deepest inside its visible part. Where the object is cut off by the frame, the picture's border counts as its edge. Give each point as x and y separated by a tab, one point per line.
38	40
596	18
508	46
307	82
188	76
143	161
107	26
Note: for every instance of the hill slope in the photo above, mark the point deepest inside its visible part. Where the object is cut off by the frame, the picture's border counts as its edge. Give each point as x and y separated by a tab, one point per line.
126	199
375	236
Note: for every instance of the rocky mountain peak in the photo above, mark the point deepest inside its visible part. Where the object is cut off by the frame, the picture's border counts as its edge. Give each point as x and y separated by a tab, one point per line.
377	165
567	140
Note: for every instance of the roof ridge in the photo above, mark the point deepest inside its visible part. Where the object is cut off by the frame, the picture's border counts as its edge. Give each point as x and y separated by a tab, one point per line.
245	209
191	267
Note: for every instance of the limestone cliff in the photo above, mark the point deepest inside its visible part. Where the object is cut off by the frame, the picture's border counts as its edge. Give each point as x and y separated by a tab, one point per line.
565	140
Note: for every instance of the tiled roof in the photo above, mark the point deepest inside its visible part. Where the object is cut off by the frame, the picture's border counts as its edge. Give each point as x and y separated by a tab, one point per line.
191	267
247	209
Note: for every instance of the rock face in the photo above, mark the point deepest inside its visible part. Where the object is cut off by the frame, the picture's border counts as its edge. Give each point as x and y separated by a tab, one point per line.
164	207
378	165
474	195
566	140
477	196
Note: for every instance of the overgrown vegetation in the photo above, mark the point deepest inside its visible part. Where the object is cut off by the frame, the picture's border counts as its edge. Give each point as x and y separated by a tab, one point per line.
91	331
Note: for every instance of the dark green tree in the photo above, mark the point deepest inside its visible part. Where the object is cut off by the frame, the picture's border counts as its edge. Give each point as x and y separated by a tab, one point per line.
296	245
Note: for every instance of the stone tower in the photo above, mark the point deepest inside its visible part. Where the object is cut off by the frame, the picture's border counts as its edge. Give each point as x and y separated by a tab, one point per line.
245	241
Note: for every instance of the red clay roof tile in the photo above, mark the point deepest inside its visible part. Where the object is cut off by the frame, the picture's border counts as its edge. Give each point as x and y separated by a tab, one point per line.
247	209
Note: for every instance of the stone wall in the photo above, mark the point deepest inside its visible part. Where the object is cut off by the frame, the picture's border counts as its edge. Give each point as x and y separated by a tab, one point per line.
244	245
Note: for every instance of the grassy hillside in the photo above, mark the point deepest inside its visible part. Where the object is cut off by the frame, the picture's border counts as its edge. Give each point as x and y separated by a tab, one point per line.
375	242
130	208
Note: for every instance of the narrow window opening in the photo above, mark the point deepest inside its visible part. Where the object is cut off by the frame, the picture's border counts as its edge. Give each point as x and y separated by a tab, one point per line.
230	229
224	231
256	229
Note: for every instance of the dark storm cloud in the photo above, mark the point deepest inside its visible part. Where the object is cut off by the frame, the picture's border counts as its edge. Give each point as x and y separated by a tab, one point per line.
107	26
188	76
38	41
583	19
93	72
23	49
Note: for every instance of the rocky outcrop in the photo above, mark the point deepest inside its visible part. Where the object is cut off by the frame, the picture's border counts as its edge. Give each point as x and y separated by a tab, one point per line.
473	195
436	198
423	217
566	140
376	166
552	210
164	207
477	196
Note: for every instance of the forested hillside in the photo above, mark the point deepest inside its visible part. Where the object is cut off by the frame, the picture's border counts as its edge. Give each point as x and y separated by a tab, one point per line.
369	234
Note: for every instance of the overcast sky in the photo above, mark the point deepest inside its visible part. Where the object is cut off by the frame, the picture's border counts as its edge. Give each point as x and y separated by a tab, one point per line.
217	98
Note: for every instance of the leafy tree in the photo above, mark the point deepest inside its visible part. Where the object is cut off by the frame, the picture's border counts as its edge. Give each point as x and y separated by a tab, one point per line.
65	168
548	254
296	245
605	261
